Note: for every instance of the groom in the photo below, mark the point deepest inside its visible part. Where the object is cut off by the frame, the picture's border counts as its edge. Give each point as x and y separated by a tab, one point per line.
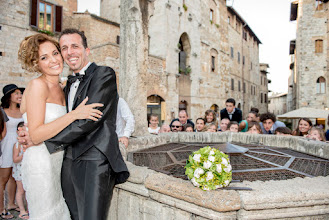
93	163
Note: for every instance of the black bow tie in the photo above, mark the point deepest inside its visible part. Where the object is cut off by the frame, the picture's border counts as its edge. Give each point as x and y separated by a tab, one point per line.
72	78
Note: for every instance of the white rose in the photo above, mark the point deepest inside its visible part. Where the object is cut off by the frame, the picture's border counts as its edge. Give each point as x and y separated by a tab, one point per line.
210	176
211	158
197	157
198	172
205	188
207	164
226	182
218	186
224	161
228	168
195	183
219	168
212	152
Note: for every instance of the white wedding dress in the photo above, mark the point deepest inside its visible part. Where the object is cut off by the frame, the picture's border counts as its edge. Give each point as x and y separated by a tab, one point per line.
41	176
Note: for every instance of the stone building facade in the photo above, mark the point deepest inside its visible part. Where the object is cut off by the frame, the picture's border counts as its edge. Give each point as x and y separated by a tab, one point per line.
22	18
278	103
209	53
198	53
308	81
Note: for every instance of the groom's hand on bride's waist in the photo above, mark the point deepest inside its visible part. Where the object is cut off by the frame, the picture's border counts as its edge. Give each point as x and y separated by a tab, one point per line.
24	138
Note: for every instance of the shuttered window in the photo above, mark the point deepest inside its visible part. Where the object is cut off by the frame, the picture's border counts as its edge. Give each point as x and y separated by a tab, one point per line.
46	16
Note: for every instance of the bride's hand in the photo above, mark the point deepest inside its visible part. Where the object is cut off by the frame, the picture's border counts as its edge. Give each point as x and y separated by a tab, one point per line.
84	111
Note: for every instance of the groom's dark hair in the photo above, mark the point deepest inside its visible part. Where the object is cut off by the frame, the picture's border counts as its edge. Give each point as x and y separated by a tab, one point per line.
75	31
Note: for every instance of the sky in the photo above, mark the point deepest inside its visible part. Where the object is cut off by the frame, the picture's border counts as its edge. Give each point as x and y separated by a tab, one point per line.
269	20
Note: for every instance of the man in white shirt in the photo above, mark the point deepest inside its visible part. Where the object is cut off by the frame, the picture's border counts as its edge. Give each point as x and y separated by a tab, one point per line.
125	122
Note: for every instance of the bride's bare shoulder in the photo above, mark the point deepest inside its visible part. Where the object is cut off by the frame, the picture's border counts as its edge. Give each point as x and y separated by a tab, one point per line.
37	85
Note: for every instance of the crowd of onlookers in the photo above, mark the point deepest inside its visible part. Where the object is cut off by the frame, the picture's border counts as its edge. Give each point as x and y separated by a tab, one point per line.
231	120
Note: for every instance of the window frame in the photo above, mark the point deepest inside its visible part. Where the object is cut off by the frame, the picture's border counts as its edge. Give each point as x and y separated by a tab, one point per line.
321	85
211	15
318	5
56	16
318	46
45	16
213	63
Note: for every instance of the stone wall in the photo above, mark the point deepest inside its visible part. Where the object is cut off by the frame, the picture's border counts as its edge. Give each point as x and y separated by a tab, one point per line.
15	26
311	25
152	195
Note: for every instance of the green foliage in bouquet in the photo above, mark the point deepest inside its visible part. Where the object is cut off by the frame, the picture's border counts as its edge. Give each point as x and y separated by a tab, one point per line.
209	169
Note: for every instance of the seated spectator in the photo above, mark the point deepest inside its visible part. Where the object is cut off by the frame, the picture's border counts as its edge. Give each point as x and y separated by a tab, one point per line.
164	129
211	128
223	124
230	112
210	117
188	128
316	134
254	128
176	126
199	125
304	125
252	116
153	124
269	123
233	126
283	131
183	118
125	124
253	109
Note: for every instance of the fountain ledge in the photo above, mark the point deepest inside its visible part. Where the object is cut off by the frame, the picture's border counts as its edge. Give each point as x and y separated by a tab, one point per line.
151	195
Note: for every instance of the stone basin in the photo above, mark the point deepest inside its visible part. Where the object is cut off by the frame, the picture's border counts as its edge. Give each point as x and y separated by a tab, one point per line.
153	195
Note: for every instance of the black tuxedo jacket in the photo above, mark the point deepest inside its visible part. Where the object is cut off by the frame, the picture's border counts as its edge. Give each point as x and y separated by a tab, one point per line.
237	115
99	84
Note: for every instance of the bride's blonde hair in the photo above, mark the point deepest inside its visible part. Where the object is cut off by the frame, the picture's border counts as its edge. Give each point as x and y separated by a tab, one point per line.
28	53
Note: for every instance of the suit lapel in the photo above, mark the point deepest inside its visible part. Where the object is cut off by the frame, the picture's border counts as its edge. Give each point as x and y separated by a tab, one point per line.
84	82
66	93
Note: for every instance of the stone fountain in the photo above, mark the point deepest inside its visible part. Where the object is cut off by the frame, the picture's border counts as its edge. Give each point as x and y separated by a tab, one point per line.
150	194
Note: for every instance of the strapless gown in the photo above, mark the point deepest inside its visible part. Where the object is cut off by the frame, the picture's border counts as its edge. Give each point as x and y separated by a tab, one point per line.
41	176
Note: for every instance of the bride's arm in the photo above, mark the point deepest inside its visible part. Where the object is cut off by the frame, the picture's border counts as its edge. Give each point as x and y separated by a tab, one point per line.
36	97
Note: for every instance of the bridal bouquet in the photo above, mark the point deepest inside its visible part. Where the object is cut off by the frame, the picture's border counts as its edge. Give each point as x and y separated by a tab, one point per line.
209	168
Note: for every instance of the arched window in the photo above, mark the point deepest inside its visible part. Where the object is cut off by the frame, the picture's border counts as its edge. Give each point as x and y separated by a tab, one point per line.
321	85
214	60
184	54
156	106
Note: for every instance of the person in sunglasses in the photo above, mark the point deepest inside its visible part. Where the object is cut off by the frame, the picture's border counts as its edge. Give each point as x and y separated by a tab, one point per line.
176	126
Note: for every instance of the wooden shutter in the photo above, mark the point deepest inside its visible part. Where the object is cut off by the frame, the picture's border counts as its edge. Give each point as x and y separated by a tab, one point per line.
58	18
318	46
34	13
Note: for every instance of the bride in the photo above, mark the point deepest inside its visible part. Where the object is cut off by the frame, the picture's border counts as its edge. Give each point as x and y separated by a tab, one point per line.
43	107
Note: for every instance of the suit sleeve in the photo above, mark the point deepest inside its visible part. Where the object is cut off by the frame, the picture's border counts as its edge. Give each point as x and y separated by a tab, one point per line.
240	116
102	89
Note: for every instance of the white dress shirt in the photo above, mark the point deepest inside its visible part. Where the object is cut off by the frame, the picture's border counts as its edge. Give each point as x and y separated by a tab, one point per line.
74	87
125	120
